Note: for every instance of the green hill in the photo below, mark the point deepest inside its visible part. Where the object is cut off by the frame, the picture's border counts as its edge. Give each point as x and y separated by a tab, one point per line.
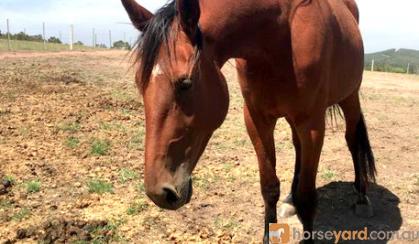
394	60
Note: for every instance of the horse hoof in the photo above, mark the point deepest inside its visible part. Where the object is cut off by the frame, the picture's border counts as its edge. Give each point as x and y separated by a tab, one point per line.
363	208
287	208
266	239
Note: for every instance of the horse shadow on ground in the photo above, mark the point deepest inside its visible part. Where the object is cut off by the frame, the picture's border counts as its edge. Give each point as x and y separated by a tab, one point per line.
336	212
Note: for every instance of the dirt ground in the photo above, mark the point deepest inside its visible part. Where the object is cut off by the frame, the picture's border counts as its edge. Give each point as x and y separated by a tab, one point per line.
71	160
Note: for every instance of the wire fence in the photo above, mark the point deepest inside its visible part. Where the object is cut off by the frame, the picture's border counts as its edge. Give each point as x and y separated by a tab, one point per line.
71	37
392	67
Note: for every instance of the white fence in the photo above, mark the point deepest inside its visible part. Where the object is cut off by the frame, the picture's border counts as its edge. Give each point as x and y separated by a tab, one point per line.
71	35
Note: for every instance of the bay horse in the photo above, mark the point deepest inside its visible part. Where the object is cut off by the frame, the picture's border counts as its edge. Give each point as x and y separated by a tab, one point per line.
294	58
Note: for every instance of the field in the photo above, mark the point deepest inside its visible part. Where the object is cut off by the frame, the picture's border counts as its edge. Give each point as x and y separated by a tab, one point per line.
71	160
39	46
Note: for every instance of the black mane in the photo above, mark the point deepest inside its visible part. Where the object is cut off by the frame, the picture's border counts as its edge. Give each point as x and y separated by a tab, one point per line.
157	32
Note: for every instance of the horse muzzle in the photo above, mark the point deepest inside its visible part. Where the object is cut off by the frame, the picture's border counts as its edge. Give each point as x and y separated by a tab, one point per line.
170	197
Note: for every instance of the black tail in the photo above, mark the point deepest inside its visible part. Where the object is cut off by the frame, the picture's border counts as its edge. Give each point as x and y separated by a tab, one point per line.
334	112
366	162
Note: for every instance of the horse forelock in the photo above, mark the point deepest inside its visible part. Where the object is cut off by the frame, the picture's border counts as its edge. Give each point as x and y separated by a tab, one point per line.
158	33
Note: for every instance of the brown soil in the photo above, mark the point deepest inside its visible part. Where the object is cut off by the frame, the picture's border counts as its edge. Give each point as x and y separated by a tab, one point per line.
71	122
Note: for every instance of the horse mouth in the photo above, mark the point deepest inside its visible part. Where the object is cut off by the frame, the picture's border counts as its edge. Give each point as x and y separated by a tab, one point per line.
189	193
175	199
186	197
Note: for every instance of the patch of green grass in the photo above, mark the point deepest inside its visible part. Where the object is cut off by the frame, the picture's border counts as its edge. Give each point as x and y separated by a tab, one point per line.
106	234
141	188
202	182
105	126
72	142
21	215
10	179
228	166
33	186
24	131
100	187
137	140
328	174
71	127
227	224
137	207
126	175
125	111
240	142
100	147
123	96
122	128
5	204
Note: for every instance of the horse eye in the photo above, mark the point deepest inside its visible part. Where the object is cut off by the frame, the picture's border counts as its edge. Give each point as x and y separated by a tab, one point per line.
184	84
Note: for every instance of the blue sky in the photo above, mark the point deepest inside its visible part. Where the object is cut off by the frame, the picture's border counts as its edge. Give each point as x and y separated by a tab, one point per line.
384	23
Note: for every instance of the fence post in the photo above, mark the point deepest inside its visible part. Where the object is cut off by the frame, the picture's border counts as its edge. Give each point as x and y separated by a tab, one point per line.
408	68
372	65
71	37
44	36
93	37
110	39
9	46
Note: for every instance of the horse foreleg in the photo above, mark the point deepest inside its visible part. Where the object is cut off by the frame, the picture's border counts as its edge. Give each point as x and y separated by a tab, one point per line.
261	129
311	134
287	208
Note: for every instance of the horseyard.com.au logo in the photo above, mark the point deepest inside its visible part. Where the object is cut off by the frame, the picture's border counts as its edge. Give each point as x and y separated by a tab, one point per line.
279	233
282	233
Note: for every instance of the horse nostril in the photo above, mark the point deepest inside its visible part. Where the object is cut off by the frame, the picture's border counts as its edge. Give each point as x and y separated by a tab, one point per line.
171	196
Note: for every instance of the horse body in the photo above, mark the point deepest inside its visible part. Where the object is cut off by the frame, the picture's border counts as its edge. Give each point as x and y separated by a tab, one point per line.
295	58
289	53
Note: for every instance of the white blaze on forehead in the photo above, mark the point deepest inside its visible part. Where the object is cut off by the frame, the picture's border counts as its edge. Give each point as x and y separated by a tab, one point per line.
157	71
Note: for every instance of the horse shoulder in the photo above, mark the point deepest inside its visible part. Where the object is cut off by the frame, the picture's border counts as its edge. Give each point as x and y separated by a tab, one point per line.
311	42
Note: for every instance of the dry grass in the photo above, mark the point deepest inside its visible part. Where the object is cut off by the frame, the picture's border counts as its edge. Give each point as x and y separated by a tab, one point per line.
83	136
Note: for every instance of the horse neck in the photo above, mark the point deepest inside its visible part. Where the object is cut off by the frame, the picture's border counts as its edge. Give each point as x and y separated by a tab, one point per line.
256	29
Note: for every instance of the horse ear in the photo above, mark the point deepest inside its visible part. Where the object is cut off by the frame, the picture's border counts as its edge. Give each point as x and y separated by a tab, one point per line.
137	13
189	13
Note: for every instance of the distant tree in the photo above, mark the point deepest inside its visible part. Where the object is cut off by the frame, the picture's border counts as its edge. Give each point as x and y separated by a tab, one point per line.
54	39
21	36
79	43
25	37
121	45
37	38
